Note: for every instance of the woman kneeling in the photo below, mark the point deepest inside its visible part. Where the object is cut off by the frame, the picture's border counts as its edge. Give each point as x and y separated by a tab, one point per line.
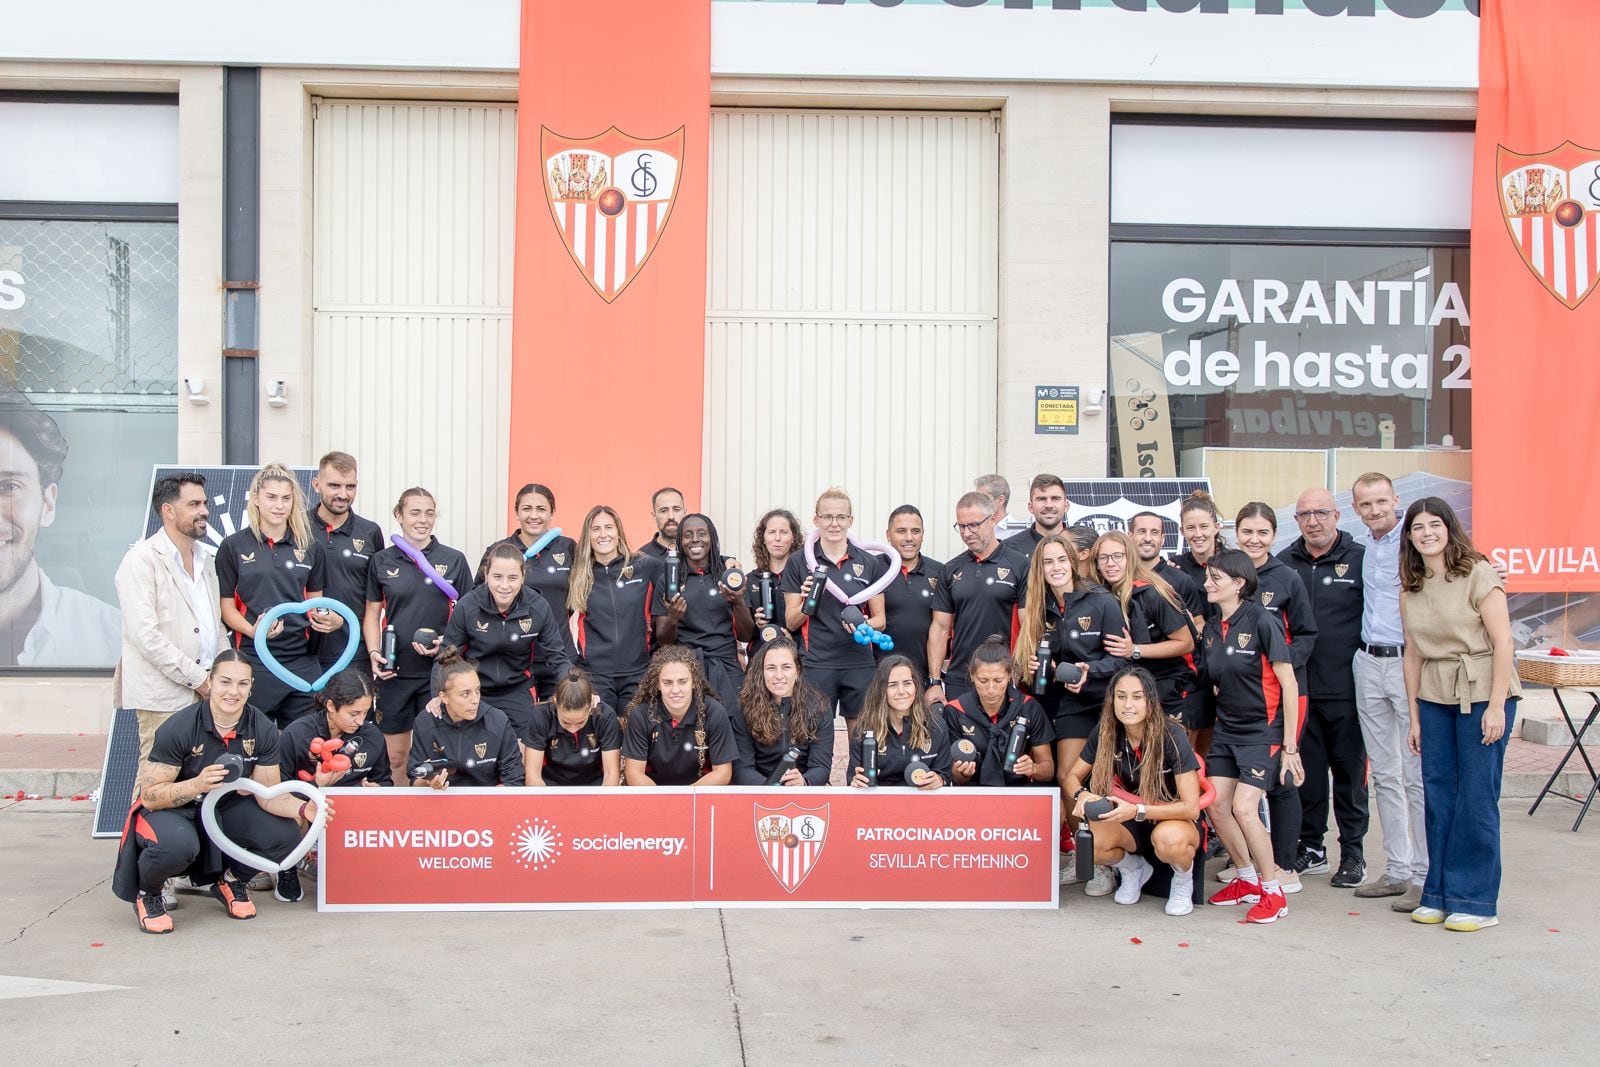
1137	749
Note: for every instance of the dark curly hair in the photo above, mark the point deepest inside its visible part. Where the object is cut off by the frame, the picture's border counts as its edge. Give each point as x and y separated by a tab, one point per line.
648	695
760	710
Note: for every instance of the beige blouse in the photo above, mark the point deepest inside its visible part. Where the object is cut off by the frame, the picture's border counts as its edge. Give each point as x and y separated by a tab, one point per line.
1443	625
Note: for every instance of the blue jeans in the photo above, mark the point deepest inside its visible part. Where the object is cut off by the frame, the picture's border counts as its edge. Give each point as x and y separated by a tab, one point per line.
1461	794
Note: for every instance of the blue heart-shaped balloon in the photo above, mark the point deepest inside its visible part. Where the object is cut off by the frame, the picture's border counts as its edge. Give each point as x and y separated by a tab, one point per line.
542	544
282	673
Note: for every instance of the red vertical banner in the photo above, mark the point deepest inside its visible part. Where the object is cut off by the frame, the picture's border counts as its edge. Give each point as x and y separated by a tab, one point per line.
1535	318
608	319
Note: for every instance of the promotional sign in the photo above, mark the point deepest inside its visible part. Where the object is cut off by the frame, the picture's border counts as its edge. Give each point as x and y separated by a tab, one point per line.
1055	409
613	123
508	849
1143	417
1535	249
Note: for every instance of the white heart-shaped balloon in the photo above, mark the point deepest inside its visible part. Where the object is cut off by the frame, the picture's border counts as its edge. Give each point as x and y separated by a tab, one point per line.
208	816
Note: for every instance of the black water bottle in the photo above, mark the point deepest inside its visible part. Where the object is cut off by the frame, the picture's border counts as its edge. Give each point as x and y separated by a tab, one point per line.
1083	842
869	756
672	572
1041	677
1015	742
819	578
766	596
790	760
388	647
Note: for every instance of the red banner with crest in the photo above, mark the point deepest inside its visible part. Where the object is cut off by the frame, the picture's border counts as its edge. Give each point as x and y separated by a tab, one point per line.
1535	319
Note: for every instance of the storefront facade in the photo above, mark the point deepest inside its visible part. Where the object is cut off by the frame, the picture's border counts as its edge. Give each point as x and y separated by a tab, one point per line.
1240	236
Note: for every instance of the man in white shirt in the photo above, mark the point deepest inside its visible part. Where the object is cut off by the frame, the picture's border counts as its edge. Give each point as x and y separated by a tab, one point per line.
171	612
1381	701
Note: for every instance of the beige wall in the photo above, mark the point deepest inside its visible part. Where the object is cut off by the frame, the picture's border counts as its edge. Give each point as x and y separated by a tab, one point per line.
1053	275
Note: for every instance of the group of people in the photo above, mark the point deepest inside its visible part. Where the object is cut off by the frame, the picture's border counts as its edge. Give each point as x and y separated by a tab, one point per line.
1203	701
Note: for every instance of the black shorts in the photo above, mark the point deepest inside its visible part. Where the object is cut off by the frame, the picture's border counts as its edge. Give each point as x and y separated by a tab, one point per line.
1248	764
399	701
846	685
1074	724
1187	708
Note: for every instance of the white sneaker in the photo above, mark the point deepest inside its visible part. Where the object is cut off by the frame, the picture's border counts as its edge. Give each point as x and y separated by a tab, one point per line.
1100	885
1289	887
1461	922
1069	869
1227	874
169	893
1180	898
1132	880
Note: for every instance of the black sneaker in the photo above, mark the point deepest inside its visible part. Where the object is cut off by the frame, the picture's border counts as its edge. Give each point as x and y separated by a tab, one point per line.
1311	861
288	888
1352	870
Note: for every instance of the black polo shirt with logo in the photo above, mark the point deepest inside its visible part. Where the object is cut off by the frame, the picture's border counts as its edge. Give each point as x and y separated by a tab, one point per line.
1196	573
982	595
1125	763
259	574
348	550
190	741
410	602
616	634
483	751
678	753
1333	584
505	643
1152	618
573	757
1280	590
990	735
908	607
895	753
827	643
547	574
655	550
1237	655
369	755
707	622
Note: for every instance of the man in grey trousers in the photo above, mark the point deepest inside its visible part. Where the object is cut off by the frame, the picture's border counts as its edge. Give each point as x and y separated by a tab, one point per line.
1381	699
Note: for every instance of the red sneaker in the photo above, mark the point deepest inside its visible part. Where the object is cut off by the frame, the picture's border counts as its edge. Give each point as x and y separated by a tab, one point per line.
235	896
152	913
1237	891
1269	909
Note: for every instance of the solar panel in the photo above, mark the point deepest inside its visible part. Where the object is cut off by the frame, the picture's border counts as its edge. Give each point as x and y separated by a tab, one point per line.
117	775
1111	503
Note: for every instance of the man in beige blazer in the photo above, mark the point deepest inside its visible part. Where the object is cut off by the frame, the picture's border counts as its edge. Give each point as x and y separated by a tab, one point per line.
171	619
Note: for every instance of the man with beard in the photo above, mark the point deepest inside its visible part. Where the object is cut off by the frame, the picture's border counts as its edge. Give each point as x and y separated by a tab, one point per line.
1149	534
666	507
1047	503
348	542
41	624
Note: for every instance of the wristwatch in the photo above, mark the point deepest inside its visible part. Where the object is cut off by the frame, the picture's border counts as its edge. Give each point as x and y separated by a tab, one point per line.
1291	751
1136	653
932	681
1138	813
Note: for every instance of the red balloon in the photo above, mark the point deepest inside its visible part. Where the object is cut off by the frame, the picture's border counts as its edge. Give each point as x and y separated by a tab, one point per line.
332	746
340	764
306	776
316	746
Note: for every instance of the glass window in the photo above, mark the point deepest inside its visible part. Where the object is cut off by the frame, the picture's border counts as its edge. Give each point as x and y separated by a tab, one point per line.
1284	347
88	404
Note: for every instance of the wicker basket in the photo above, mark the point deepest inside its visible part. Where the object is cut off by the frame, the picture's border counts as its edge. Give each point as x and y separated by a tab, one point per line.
1541	668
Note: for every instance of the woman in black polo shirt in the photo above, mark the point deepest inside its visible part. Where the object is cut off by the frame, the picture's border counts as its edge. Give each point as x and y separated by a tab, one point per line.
1245	661
504	626
610	596
908	737
1281	590
275	560
677	733
471	742
777	537
547	573
573	739
985	717
164	836
1142	751
778	711
706	614
400	596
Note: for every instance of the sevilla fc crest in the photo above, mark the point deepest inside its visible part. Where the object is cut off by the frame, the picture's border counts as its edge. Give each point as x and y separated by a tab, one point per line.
610	196
791	840
1549	201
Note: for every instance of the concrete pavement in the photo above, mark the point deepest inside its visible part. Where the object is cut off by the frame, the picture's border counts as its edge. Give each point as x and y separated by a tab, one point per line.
780	987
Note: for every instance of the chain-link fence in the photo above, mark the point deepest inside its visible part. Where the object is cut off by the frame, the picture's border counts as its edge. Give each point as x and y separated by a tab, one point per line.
89	309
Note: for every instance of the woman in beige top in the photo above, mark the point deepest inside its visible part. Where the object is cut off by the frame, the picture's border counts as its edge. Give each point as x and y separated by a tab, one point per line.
1463	695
